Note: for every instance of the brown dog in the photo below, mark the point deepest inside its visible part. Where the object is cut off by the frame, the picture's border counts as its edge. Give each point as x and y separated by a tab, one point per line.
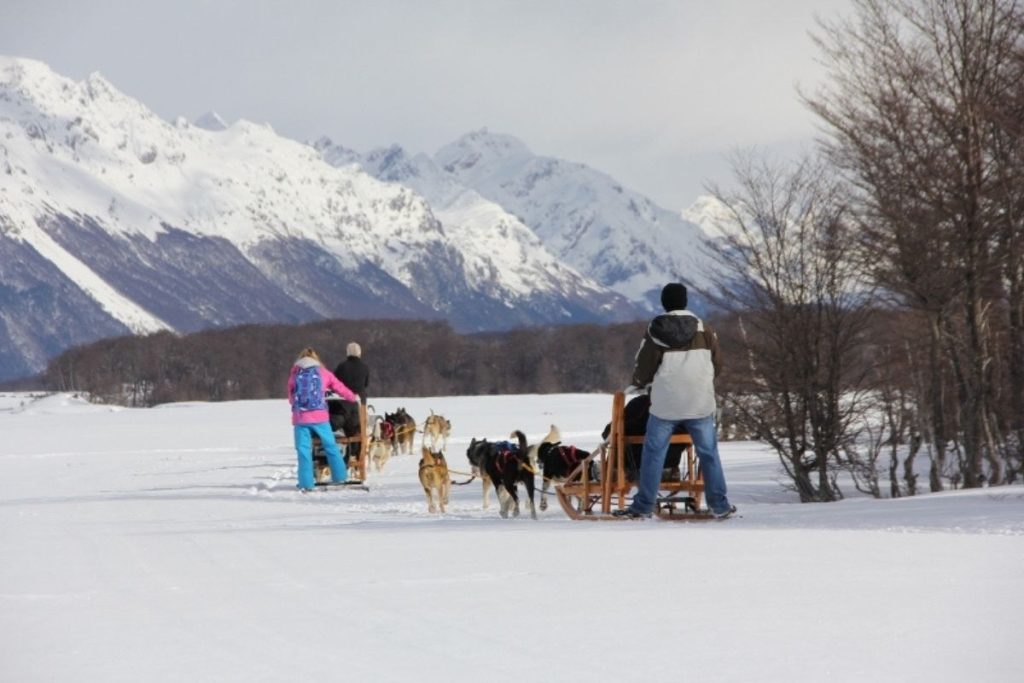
436	430
404	431
380	445
434	478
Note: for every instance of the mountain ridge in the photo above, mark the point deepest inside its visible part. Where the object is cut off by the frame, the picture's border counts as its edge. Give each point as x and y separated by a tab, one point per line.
126	223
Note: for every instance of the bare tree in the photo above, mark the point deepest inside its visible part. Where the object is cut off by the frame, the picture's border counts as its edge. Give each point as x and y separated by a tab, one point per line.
785	266
920	111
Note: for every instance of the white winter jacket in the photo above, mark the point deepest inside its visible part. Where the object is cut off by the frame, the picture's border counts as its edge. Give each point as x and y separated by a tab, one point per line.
678	359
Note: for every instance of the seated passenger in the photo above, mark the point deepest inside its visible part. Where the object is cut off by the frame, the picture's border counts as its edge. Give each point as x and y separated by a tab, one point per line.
356	376
635	415
344	417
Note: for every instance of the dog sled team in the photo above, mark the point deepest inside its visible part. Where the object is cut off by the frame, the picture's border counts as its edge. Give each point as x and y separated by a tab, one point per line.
673	378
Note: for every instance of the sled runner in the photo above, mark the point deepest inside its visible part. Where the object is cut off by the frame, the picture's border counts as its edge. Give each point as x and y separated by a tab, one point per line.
350	485
679	498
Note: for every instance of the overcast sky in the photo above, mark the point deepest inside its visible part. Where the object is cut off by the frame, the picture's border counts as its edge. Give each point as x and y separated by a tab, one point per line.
654	92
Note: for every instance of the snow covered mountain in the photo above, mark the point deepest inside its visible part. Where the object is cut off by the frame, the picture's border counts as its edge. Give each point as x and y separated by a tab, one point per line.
113	220
712	216
587	219
501	252
211	121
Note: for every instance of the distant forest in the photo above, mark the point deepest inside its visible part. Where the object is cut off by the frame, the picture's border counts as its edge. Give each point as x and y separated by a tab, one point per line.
406	358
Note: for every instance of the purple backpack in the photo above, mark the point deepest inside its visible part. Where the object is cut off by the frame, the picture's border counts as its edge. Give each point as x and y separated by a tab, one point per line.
309	390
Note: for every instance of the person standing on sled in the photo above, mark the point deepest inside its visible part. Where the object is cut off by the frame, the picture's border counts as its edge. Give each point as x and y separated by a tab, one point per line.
678	361
307	382
354	374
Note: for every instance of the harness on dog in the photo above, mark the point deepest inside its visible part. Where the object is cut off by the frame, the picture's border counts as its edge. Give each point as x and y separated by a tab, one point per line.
439	460
387	430
569	456
505	456
509	453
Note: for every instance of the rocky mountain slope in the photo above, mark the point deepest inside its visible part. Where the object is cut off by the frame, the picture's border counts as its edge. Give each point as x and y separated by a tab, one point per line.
586	218
113	220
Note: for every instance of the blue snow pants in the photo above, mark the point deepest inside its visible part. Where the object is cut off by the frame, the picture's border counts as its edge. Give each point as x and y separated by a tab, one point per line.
304	448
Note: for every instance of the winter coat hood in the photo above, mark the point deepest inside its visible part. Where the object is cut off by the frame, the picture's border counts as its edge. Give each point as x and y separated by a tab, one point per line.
307	362
674	330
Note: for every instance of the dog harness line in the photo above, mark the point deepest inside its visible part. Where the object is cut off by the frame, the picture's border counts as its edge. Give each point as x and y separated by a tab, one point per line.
503	458
569	456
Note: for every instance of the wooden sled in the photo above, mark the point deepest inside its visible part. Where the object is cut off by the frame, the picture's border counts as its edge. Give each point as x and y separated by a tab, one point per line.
584	498
357	469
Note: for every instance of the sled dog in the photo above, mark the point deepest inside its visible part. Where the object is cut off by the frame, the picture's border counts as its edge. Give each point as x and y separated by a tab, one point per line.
434	478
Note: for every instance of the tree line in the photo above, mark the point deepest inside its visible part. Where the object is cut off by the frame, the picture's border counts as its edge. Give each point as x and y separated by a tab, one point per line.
877	284
406	358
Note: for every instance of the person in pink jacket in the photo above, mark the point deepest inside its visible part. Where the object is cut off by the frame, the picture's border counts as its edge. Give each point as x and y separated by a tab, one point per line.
307	382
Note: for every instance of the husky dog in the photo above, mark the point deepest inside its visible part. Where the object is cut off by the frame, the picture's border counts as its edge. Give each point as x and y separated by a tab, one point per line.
405	431
558	462
434	479
506	465
380	443
553	436
476	454
437	429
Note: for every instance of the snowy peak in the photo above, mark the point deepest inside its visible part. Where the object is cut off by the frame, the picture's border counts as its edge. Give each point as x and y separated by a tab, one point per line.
391	164
333	154
500	254
37	89
713	217
480	147
586	218
210	121
100	88
394	165
29	75
420	172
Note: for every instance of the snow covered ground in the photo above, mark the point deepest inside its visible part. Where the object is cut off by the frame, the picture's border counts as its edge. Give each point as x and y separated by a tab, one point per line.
169	544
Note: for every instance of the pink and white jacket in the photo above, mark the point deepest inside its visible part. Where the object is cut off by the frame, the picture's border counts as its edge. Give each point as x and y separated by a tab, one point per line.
329	382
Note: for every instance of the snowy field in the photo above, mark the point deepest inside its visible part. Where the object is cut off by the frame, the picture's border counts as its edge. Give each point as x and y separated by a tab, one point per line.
169	544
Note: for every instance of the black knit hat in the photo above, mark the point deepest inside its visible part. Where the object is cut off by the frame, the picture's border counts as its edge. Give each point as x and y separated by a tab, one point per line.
673	296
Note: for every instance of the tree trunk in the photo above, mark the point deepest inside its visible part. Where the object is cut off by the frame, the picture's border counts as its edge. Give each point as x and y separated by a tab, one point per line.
938	456
909	475
894	466
1016	363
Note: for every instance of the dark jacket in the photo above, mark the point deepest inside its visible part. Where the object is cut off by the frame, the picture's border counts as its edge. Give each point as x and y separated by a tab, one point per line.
355	374
634	420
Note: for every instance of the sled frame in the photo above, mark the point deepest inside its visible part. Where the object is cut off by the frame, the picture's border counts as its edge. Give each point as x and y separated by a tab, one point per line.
356	470
585	499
